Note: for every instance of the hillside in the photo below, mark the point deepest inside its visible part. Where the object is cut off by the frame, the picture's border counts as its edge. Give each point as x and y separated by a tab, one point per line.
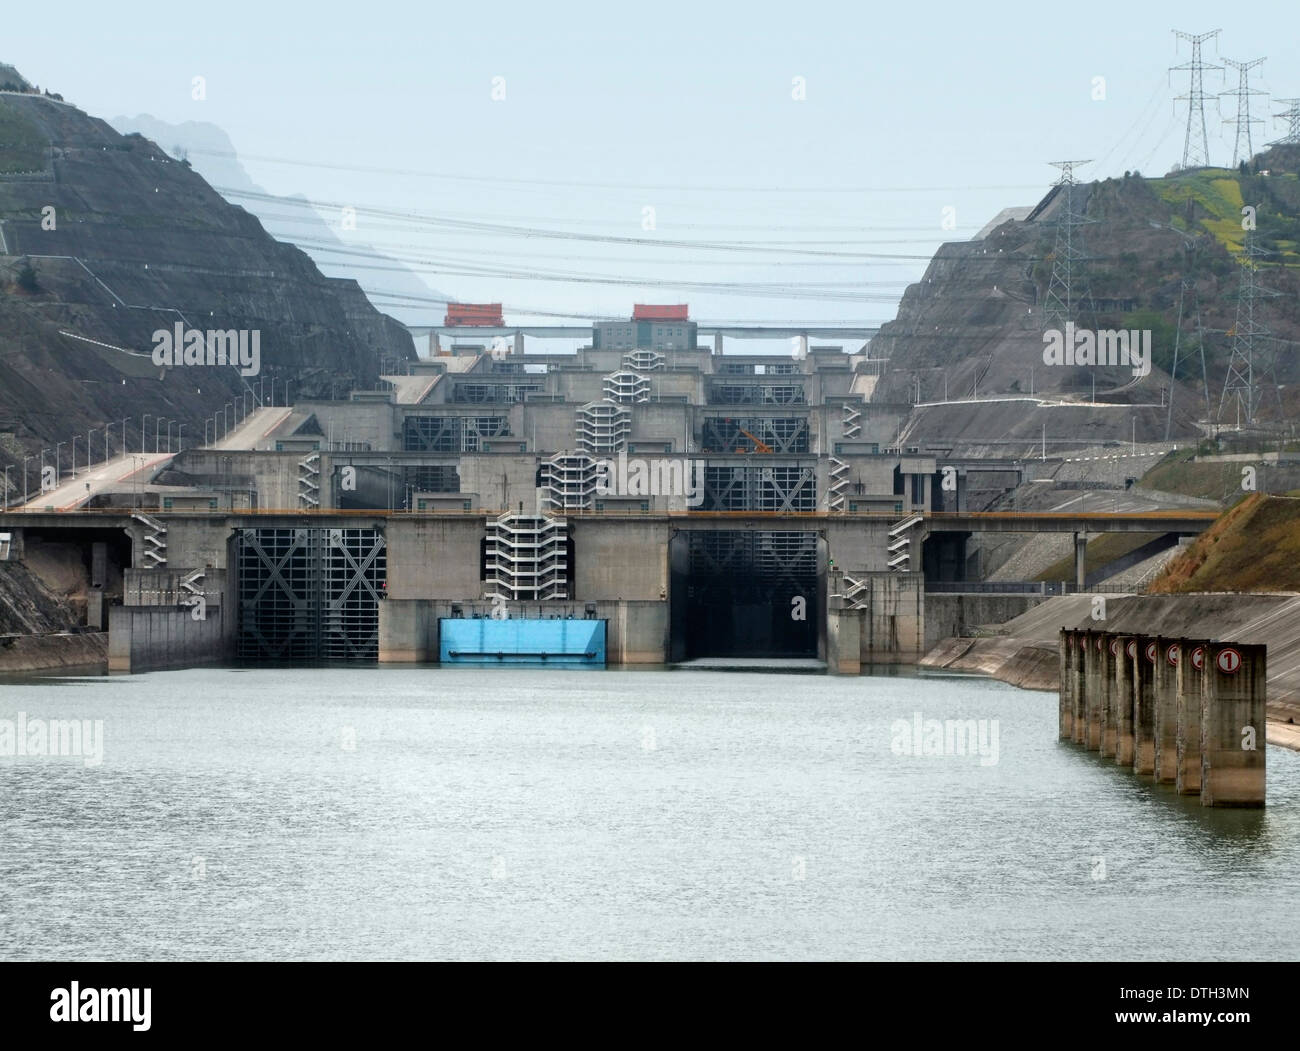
137	241
291	219
973	325
1255	546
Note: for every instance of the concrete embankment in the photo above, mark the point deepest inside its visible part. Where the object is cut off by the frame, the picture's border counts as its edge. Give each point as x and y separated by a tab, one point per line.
26	653
1024	650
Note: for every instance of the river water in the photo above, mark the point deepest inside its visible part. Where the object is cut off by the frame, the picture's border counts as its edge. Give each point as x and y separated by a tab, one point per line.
394	813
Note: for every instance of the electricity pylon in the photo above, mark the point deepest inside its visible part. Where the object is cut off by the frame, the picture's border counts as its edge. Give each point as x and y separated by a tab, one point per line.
1196	145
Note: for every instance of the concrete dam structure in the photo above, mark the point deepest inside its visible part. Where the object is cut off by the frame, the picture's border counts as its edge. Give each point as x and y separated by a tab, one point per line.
699	503
1184	712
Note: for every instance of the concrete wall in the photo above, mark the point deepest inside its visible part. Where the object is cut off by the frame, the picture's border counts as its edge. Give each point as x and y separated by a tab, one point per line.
144	638
950	616
626	560
891	610
434	558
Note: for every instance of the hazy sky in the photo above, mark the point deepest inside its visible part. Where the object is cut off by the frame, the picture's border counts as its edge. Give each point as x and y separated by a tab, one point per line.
686	109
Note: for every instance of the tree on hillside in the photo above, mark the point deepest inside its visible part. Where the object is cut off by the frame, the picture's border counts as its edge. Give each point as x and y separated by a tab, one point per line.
27	277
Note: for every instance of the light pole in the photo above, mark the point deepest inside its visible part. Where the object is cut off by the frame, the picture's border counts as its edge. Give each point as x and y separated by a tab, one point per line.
90	451
25	459
7	470
180	438
124	422
57	462
74	455
144	426
157	433
169	435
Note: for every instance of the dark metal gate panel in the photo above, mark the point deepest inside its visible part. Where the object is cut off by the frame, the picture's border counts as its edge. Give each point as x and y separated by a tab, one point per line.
309	594
740	591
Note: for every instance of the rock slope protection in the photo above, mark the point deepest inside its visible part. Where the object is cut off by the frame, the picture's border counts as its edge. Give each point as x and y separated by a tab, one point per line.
135	242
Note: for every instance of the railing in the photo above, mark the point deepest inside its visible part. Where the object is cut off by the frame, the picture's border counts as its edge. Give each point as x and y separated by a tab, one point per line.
1020	587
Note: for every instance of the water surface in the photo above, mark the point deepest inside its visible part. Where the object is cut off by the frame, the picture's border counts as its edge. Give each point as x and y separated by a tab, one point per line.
393	813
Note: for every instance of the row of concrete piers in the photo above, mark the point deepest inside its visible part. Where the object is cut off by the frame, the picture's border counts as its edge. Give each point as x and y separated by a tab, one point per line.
1185	712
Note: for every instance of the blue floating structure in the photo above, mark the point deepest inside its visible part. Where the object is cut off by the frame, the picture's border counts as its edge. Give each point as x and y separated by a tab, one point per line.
559	642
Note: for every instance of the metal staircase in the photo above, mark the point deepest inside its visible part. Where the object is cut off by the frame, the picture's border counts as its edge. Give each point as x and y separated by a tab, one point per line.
155	540
852	427
900	543
309	481
837	484
527	557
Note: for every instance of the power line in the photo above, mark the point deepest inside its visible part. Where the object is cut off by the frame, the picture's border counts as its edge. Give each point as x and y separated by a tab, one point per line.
577	184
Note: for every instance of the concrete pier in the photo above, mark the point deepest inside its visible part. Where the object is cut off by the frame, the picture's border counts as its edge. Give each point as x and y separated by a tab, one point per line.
1094	689
1189	654
1187	712
1165	689
1064	698
1144	706
1232	748
1106	673
1079	696
1123	670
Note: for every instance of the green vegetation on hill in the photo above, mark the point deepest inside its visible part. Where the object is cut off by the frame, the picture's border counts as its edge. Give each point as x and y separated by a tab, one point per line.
1211	199
1255	546
1176	473
22	146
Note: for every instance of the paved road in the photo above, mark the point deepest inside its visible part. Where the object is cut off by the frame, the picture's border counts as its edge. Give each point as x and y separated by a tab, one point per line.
73	492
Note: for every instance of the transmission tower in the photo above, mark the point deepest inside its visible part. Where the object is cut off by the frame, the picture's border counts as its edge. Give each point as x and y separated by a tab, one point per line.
1292	116
1186	291
1196	146
1239	386
1068	257
1244	119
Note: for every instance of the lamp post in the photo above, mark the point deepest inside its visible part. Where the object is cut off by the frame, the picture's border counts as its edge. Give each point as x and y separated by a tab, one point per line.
144	424
7	470
124	423
74	454
169	435
57	461
157	433
180	438
25	459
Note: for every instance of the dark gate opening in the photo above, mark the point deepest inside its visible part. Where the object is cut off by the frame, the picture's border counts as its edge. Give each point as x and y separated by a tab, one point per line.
746	594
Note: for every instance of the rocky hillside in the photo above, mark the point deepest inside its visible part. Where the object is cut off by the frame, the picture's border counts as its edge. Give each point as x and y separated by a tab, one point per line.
973	325
105	239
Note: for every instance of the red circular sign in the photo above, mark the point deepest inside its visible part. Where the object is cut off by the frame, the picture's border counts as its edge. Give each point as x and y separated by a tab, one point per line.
1173	653
1228	660
1114	647
1151	652
1198	658
1132	648
1099	642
